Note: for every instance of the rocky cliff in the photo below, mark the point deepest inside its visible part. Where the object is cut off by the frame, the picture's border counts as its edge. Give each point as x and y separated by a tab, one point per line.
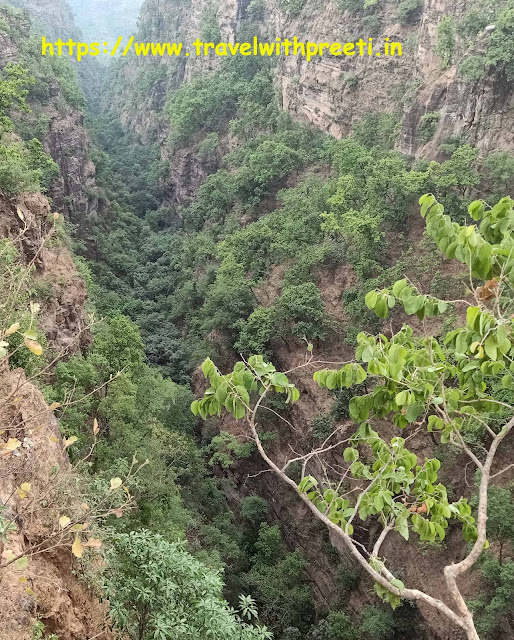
332	93
45	589
56	118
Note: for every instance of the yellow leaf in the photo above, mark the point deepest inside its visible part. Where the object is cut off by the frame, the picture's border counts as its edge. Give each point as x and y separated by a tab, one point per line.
64	521
77	527
94	543
24	490
34	346
96	428
77	549
69	441
12	329
35	307
53	439
29	592
116	483
54	405
56	216
11	445
22	563
22	579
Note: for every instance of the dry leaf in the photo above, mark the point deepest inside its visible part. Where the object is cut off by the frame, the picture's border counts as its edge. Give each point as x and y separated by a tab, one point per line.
116	483
56	216
84	506
34	346
77	549
96	428
35	307
64	521
94	543
118	512
24	490
12	329
20	214
69	441
11	445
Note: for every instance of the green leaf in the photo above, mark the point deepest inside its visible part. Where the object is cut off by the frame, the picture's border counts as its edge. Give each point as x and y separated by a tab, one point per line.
402	527
371	299
491	347
401	398
398	584
350	454
381	309
471	317
399	286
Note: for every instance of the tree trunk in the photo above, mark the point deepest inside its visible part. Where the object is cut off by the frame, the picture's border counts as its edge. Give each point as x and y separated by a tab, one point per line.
471	632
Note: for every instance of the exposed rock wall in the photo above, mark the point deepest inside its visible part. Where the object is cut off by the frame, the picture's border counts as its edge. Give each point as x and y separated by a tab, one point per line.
74	193
318	91
47	589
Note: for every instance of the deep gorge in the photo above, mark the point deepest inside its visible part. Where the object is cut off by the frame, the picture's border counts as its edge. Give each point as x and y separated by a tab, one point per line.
218	209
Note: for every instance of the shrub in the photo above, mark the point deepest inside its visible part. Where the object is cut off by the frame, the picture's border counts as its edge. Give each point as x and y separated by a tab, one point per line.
409	10
446	42
473	68
179	592
378	624
341	627
428	126
254	508
291	7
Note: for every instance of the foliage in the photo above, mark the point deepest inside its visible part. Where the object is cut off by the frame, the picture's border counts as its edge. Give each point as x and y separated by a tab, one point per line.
445	47
378	624
254	508
445	383
301	308
277	582
409	10
292	7
156	590
341	627
225	447
428	126
472	68
490	613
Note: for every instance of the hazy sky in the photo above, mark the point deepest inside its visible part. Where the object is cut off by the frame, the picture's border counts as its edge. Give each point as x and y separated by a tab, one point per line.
105	20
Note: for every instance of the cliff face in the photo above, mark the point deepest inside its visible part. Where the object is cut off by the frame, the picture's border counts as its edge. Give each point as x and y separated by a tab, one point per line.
45	588
64	138
332	93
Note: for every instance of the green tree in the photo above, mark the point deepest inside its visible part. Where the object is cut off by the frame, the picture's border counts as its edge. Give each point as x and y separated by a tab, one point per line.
446	384
500	514
446	41
302	310
159	591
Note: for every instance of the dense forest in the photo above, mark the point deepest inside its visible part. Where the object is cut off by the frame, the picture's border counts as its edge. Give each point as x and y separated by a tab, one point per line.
277	399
